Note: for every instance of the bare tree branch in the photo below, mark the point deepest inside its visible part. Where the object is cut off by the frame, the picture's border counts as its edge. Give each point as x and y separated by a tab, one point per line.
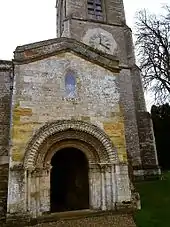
153	51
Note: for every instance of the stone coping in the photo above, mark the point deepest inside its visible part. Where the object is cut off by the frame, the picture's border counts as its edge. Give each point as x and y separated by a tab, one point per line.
48	48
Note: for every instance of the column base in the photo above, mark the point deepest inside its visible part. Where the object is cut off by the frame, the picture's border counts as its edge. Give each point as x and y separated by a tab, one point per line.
19	220
144	173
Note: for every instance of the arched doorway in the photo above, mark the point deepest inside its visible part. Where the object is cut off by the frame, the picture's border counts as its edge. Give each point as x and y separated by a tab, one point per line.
56	145
69	181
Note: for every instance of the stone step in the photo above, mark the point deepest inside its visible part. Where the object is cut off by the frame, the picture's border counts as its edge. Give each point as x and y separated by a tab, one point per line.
89	218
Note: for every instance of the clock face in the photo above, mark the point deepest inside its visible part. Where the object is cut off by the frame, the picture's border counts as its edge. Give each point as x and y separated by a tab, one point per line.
101	40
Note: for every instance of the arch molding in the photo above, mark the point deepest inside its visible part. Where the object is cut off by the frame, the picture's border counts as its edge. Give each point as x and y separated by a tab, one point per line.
70	129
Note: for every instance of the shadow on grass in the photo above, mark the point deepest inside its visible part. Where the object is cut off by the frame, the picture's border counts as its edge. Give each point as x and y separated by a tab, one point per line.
155	200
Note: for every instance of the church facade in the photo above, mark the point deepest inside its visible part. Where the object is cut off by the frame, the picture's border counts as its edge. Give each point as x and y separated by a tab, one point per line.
74	128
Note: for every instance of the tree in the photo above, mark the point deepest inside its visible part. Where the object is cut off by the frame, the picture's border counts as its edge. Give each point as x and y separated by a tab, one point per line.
153	51
161	124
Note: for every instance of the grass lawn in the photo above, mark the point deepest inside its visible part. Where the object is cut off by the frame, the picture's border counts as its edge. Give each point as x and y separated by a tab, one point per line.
155	200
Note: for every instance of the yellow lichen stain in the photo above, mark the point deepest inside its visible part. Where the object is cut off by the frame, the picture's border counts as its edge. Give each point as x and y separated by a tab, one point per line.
23	112
121	109
78	80
117	116
22	131
61	55
119	141
35	195
115	130
15	117
18	112
85	118
122	154
17	154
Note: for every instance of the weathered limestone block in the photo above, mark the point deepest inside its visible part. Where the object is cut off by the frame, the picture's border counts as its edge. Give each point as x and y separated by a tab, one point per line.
17	191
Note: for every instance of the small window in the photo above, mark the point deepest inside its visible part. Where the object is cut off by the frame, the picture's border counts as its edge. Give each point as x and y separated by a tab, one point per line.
95	9
70	85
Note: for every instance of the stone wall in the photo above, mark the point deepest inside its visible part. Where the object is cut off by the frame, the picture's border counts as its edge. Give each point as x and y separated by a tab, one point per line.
77	29
5	100
113	10
150	167
126	80
131	91
39	97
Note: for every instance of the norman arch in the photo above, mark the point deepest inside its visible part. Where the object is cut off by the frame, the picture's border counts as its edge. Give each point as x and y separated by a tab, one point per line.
103	173
101	151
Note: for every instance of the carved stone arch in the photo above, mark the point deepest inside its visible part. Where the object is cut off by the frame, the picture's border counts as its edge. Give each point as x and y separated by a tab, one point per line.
80	130
93	150
87	149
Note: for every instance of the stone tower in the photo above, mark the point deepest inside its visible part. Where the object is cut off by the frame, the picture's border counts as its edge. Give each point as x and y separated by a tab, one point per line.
102	25
77	108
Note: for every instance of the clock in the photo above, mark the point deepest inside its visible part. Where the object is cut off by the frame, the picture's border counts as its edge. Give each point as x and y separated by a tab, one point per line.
101	40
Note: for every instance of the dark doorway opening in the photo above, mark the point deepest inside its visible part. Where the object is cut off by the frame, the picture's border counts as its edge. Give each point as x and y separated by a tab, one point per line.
69	181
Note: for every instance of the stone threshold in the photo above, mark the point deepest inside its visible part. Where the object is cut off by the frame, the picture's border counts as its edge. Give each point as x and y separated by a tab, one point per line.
77	214
69	216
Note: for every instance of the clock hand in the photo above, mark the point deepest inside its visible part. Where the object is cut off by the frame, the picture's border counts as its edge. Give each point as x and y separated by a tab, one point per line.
100	40
107	47
104	46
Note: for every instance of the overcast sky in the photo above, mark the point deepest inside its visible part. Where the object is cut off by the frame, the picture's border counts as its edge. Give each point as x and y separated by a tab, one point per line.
27	21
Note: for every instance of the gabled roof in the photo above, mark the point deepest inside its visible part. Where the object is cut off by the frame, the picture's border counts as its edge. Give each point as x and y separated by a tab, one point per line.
41	50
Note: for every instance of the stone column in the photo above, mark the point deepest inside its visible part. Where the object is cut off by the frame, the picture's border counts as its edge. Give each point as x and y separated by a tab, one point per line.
114	186
35	191
45	190
108	186
28	190
16	191
33	194
38	191
95	186
103	187
123	183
